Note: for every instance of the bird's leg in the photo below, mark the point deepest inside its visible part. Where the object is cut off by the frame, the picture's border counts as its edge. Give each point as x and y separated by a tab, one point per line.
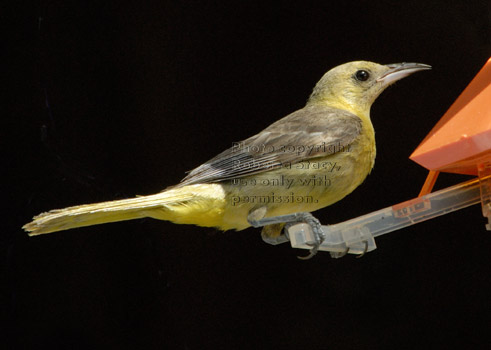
256	218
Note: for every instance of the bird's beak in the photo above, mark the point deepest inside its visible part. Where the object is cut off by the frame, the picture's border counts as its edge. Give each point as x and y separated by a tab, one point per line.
400	70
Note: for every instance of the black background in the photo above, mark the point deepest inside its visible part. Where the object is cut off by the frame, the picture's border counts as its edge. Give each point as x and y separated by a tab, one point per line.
108	99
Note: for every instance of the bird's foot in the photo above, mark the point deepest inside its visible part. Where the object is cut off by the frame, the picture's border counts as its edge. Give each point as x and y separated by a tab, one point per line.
337	255
290	220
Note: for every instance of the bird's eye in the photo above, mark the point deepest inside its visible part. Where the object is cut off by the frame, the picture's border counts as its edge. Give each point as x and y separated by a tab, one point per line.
362	75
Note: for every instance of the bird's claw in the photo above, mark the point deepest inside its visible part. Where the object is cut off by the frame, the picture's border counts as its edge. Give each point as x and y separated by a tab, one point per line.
313	251
364	251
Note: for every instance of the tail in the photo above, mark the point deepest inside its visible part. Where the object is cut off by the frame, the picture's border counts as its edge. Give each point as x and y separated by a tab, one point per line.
180	205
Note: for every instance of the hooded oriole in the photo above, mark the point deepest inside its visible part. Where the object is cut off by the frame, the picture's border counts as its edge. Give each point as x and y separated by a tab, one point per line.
303	162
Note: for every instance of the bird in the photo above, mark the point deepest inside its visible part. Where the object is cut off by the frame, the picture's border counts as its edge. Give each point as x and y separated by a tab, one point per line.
301	163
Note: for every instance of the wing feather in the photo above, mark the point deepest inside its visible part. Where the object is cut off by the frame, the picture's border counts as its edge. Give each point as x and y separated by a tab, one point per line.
311	132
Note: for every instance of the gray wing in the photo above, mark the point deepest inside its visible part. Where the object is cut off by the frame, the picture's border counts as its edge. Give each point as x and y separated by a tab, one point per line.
308	133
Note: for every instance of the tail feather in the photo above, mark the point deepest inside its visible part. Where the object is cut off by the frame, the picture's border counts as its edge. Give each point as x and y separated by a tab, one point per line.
104	212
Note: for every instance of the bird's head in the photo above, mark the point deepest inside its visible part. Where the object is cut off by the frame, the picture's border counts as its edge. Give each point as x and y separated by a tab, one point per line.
356	85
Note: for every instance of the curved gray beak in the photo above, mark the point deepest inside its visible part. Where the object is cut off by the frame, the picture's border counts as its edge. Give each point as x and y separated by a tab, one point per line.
398	71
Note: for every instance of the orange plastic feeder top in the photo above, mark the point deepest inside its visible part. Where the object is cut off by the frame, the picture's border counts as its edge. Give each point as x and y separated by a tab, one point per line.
462	138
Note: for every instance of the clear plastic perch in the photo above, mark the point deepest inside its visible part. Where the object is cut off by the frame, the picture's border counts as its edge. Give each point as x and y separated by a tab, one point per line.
356	236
